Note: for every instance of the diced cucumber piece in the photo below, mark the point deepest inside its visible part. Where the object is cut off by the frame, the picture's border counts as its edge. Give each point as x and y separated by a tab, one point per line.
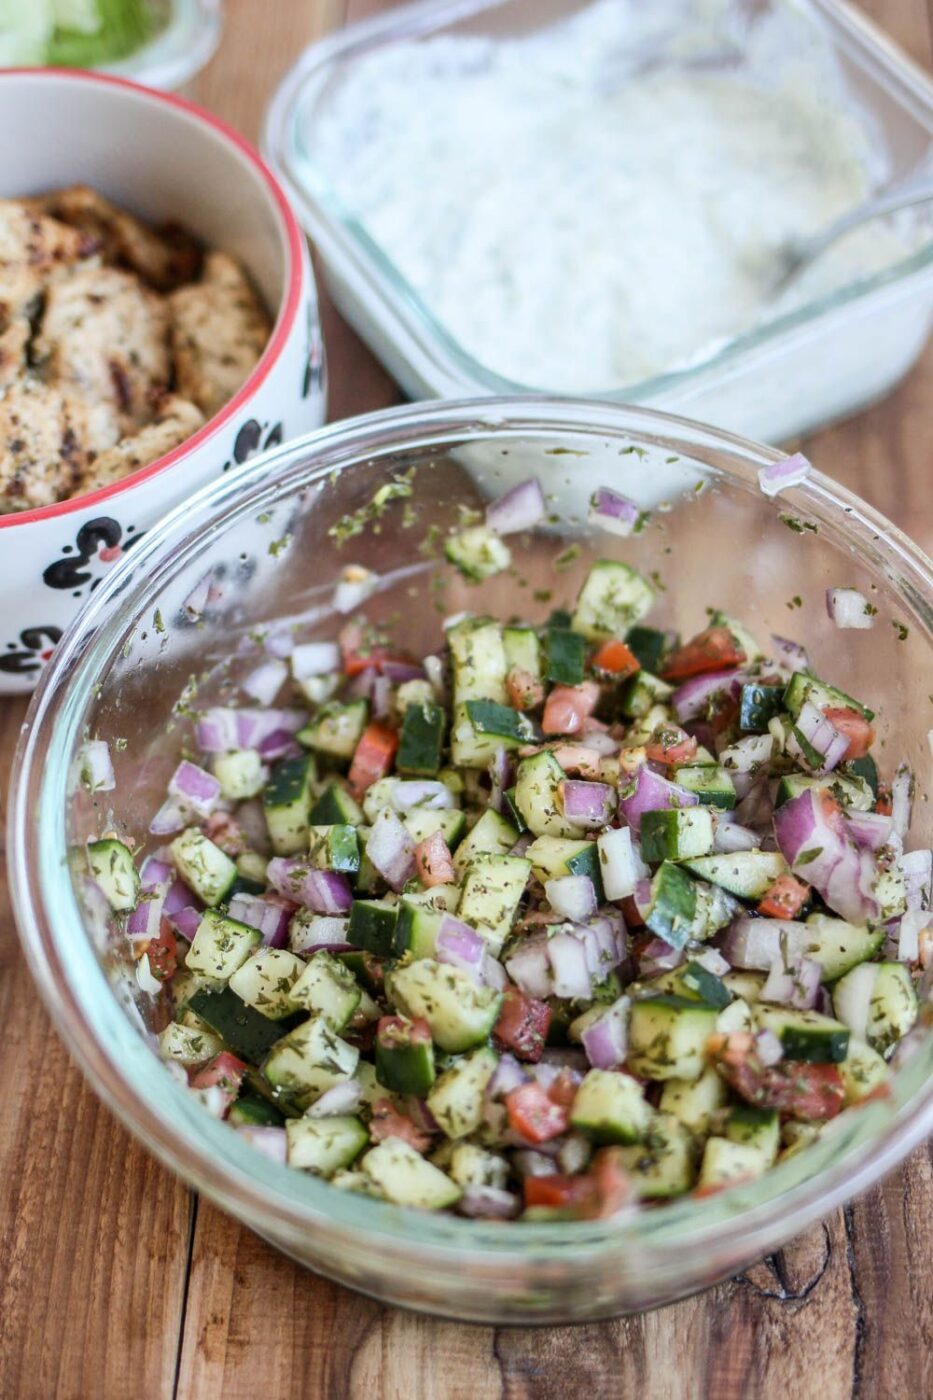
471	1165
662	1164
491	836
851	791
326	987
755	1127
244	1031
694	1101
522	650
839	946
307	1062
566	656
404	1056
418	691
641	693
724	1163
864	770
221	945
890	890
334	807
758	706
253	867
746	874
613	598
187	1045
796	1136
538	799
479	661
457	1098
553	857
746	985
460	1013
684	908
203	866
422	822
676	833
334	847
737	1016
372	925
416	929
477	553
610	1107
667	1037
111	865
241	774
421	742
877	1002
710	782
650	646
265	981
863	1071
323	1146
286	803
695	982
253	1111
805	1035
802	687
492	891
469	747
406	1179
336	729
509	727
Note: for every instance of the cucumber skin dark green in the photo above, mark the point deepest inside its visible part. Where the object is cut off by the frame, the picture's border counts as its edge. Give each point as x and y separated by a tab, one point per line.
287	782
674	908
329	809
421	744
566	655
865	768
243	1029
757	705
372	930
709	988
405	1069
255	1111
648	646
824	1048
499	721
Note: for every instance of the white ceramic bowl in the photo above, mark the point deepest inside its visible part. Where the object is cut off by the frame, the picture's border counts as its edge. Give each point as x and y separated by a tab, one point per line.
163	159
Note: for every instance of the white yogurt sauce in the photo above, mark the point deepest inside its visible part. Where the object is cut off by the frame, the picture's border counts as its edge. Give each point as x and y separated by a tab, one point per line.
578	222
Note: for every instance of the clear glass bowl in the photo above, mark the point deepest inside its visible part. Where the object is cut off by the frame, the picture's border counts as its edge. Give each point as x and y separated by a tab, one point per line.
179	50
135	661
817	363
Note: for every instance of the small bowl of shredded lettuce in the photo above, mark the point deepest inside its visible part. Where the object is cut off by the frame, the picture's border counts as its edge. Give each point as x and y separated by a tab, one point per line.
159	42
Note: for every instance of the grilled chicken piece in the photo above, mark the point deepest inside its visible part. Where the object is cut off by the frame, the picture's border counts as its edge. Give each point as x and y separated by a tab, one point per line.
219	331
15	333
164	258
46	434
106	336
31	247
175	420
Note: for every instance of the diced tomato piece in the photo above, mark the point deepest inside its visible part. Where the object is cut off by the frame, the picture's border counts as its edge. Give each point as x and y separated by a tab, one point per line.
224	1069
534	1115
670	744
374	756
812	1093
785	898
883	804
633	918
395	1030
854	727
559	1192
525	691
562	1089
387	1122
568	706
433	861
616	660
523	1024
163	953
578	760
713	650
357	657
613	1184
226	833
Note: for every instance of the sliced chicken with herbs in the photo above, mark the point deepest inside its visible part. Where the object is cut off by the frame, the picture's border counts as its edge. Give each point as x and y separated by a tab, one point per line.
45	437
175	420
219	331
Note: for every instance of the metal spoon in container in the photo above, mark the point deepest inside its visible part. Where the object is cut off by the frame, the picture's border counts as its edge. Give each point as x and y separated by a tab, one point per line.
795	258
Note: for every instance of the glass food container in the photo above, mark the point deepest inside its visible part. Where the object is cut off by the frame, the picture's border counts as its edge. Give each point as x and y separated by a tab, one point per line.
819	362
259	546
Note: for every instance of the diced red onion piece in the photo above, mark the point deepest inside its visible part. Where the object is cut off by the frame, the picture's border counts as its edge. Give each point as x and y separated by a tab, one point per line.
488	1203
264	683
849	608
605	1039
143	922
391	850
902	793
658	956
652	793
168	819
270	919
712	960
253	725
822	735
869	829
588	804
97	773
789	654
315	659
217	730
569	970
382	696
529	1162
508	1074
770	1050
918	878
339	1098
529	967
810	839
155	871
789	471
754	944
571	896
146	982
398	672
494	974
271	1142
613	512
421	792
729	837
599	742
691	699
461	946
323	891
793	983
520	508
642	897
620	862
194	789
356	584
186	921
326	931
280	642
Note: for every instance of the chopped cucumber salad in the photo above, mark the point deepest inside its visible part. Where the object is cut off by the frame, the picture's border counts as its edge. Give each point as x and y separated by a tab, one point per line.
559	921
76	33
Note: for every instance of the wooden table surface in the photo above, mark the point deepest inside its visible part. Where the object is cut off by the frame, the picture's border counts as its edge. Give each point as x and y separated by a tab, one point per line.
115	1280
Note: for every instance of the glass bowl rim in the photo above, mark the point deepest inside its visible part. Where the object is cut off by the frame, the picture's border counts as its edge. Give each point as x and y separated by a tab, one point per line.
169	1121
401	308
